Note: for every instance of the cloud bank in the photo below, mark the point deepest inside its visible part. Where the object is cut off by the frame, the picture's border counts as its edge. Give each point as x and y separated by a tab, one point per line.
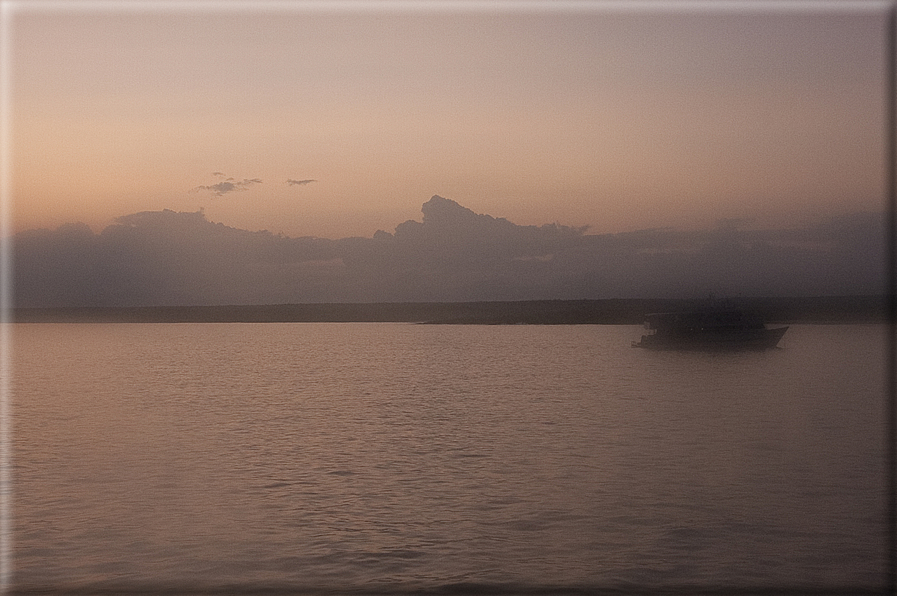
292	182
453	254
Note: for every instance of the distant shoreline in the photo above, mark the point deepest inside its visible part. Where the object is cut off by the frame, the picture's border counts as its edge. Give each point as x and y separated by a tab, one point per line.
826	309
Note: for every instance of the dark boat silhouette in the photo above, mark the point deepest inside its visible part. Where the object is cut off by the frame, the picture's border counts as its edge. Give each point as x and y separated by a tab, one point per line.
708	329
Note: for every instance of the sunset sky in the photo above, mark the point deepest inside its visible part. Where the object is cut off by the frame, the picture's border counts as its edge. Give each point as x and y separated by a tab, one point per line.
338	119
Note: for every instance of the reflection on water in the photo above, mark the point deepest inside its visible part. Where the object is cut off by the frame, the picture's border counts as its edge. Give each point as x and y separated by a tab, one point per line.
330	455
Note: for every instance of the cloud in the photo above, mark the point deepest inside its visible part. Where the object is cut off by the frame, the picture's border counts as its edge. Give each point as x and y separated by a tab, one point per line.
292	182
226	186
453	255
733	223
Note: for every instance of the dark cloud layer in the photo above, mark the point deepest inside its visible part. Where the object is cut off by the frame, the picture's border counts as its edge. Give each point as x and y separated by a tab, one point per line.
292	182
454	254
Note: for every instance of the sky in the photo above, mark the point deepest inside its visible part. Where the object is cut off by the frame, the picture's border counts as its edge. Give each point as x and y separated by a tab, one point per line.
336	119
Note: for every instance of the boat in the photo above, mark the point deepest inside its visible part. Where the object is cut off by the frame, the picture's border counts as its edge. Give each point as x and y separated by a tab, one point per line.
708	329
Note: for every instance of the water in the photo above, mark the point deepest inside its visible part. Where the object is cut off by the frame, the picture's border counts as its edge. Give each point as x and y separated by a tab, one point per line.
377	456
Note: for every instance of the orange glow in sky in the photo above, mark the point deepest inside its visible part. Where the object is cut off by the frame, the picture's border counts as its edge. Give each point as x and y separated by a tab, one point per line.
615	118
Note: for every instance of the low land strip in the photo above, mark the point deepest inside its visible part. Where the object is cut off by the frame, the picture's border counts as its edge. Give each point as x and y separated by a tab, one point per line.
827	309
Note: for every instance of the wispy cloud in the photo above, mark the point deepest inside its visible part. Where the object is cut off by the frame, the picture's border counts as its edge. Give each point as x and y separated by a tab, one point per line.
227	185
292	182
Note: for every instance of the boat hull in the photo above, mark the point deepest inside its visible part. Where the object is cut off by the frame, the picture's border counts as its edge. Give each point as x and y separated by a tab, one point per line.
715	340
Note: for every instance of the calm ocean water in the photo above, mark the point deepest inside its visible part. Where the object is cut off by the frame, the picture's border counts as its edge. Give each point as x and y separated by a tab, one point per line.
196	456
